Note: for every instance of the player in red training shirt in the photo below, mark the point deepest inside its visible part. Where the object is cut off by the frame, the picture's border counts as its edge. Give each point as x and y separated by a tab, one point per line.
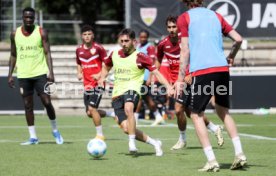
89	58
169	48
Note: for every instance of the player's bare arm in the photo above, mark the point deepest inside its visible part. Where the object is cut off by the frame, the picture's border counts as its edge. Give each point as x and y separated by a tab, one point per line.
235	47
12	60
48	56
104	73
183	63
79	72
162	80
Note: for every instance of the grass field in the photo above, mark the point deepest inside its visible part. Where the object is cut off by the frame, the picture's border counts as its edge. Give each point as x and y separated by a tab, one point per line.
258	135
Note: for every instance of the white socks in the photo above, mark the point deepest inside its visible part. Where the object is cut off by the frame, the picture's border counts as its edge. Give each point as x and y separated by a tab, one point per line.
99	130
157	115
237	145
54	125
110	113
209	153
32	132
151	141
182	136
212	127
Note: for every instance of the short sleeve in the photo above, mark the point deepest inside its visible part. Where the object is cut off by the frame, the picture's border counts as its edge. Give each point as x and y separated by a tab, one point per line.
108	60
77	58
183	24
144	61
160	53
225	27
102	52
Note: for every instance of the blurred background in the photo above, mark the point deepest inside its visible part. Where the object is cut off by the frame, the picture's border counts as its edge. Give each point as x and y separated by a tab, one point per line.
255	20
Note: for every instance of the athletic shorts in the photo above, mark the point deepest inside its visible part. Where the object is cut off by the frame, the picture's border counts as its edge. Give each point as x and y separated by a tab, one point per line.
93	97
185	97
119	103
160	94
28	85
205	86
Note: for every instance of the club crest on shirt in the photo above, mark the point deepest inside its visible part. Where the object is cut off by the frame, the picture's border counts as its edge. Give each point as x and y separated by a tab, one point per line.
148	15
92	51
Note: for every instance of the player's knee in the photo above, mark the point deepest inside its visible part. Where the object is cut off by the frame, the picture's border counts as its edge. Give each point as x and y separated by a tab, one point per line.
129	111
178	111
28	108
89	114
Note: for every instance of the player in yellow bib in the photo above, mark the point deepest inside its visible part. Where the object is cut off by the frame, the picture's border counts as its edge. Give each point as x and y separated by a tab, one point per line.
129	66
30	53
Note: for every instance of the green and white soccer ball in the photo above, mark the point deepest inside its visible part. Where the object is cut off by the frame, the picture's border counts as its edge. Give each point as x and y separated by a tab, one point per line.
96	148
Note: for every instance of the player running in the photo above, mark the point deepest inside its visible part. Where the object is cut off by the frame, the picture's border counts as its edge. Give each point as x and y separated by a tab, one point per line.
129	66
89	58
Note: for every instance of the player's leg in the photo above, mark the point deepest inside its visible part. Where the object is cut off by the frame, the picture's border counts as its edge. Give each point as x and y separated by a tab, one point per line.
182	123
216	129
27	89
222	106
92	100
199	101
141	136
40	84
161	91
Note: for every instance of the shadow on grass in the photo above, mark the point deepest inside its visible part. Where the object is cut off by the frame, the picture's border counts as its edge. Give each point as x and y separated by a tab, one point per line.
244	168
98	159
138	154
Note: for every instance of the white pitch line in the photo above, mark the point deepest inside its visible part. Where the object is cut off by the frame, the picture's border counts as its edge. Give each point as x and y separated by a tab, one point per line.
257	137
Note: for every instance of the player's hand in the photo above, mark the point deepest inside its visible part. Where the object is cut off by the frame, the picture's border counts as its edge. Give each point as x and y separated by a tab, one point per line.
230	62
188	79
79	76
100	82
96	76
51	78
178	88
11	82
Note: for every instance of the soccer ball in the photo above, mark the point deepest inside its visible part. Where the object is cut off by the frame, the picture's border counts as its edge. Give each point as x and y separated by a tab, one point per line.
96	148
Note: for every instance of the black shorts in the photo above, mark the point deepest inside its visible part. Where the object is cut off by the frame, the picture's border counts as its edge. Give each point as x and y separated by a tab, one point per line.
93	97
185	97
205	86
159	94
119	103
145	91
28	85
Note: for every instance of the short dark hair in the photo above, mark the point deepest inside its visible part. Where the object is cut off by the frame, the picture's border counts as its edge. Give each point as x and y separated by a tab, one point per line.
86	28
144	31
171	18
28	9
129	32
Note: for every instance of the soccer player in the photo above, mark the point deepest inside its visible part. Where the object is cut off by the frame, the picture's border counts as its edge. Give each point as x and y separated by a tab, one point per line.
129	66
89	58
169	48
202	47
30	52
147	48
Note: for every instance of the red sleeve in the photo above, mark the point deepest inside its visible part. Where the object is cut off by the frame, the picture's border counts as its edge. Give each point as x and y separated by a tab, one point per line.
77	58
151	51
108	60
102	53
225	27
160	53
144	61
183	24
